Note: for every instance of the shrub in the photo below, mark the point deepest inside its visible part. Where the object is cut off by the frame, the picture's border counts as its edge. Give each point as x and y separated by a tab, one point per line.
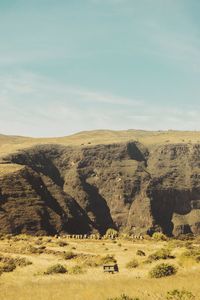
192	254
107	260
180	295
123	297
62	244
89	260
189	245
160	254
75	270
56	269
22	261
140	253
111	232
162	270
69	255
8	264
35	250
159	236
132	264
197	259
186	237
7	267
38	242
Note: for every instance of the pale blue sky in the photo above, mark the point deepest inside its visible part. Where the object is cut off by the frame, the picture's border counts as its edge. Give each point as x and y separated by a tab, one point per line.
72	65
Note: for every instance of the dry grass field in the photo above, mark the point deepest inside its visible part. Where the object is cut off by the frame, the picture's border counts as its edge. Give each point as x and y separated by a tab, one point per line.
88	281
10	144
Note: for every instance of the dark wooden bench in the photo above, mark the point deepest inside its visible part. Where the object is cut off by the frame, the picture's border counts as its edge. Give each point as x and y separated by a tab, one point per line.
110	268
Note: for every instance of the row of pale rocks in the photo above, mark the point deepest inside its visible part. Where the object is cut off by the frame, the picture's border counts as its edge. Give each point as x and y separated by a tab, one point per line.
97	236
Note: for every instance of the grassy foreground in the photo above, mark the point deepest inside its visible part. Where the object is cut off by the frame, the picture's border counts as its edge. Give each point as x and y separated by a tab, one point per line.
87	281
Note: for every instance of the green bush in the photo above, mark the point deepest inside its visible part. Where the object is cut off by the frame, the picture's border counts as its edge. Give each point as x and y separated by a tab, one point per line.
111	232
180	295
123	297
159	236
162	270
56	269
140	253
132	264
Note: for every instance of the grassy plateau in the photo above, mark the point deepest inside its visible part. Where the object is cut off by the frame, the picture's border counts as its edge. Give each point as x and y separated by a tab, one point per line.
50	268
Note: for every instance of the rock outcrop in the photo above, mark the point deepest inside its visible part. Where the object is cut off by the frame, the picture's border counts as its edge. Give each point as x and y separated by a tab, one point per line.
128	186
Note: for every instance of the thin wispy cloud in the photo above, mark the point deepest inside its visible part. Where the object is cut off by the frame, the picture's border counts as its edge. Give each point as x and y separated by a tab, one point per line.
81	65
39	107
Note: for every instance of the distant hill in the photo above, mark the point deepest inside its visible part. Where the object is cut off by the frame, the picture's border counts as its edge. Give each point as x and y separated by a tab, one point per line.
133	180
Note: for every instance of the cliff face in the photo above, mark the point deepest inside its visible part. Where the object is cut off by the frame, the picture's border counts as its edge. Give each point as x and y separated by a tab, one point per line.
127	186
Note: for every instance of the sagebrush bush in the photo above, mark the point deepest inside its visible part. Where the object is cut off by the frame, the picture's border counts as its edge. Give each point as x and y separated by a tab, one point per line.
89	260
62	243
163	270
111	232
192	254
22	261
189	245
38	242
69	255
132	264
140	253
160	254
8	264
159	236
7	267
180	295
108	259
35	250
56	269
197	258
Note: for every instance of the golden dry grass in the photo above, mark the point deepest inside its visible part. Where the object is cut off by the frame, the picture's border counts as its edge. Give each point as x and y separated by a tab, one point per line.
9	168
12	143
30	283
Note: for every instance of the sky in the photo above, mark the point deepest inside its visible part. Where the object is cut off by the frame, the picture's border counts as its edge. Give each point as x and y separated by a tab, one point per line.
75	65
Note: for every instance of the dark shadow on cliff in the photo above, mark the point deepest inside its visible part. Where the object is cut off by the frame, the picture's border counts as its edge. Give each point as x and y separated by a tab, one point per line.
72	217
98	206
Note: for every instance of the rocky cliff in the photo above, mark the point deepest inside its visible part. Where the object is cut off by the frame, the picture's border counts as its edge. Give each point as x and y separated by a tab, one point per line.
130	186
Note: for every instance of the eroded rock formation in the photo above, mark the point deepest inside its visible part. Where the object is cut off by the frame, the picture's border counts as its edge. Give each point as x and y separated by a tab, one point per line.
88	189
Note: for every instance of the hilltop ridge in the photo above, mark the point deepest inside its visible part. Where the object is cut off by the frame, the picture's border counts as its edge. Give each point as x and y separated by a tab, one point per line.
132	180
